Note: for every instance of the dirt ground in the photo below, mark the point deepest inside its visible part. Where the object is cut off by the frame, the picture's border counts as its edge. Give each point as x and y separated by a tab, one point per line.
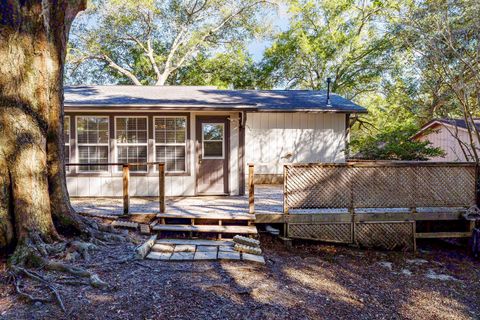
312	281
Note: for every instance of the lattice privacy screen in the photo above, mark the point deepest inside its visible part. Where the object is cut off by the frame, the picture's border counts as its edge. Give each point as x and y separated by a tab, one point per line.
328	232
372	185
389	236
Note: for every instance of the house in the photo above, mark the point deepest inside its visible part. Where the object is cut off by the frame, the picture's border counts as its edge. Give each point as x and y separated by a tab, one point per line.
451	135
206	137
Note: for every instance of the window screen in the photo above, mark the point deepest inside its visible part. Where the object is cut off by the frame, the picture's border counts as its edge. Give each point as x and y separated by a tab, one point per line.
170	142
92	141
131	134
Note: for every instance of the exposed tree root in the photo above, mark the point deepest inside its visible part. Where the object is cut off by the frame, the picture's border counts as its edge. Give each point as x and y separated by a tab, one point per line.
42	280
35	253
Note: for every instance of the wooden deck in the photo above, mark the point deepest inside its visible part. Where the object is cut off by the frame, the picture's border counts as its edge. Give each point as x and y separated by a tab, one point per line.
268	206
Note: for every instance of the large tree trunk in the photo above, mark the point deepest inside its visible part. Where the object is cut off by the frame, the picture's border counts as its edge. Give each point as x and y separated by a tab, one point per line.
33	37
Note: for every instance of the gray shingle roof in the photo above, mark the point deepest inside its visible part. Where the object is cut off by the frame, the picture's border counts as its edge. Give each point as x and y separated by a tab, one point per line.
190	97
460	122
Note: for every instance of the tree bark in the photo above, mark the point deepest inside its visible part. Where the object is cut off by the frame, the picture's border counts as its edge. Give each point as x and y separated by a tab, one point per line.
33	38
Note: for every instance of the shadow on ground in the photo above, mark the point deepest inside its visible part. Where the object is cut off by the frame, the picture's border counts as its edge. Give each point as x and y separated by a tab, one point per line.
310	282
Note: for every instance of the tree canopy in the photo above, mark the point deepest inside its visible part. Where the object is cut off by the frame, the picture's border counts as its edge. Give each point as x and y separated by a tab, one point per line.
406	61
151	42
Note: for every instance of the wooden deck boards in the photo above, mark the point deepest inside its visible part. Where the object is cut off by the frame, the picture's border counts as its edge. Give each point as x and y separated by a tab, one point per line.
207	216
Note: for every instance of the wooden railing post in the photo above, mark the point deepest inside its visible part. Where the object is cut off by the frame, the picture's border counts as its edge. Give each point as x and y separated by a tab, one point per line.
126	197
285	196
161	186
251	189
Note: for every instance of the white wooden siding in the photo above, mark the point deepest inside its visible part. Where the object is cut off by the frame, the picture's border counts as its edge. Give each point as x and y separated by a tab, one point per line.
270	138
88	186
441	137
273	139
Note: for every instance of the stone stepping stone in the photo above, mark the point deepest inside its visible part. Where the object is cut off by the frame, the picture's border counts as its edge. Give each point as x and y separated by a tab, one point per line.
246	241
184	248
163	247
205	255
125	224
226	249
182	256
253	258
247	249
207	248
223	255
159	255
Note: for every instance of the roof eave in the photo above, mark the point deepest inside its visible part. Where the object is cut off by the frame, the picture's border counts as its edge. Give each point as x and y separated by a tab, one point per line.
313	110
142	107
433	123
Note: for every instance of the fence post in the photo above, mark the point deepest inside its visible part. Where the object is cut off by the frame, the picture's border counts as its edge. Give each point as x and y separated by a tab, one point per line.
285	202
161	186
251	189
477	185
126	197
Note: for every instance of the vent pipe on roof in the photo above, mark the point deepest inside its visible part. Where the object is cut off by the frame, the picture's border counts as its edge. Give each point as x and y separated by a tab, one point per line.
329	80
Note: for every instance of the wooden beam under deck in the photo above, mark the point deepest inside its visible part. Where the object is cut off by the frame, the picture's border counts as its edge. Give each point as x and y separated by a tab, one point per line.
437	235
359	217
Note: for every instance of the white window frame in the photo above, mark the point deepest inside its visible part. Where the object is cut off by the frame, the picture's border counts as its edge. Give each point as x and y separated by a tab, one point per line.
184	144
223	141
92	144
117	144
66	119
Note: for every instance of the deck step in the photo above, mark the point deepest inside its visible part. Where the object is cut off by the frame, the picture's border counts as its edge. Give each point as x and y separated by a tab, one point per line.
206	228
207	216
197	242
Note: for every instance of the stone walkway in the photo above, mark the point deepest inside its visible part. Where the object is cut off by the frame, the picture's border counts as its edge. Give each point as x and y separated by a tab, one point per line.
195	250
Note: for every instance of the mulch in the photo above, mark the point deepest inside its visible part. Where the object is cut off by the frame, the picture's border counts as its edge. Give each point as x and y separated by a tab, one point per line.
312	281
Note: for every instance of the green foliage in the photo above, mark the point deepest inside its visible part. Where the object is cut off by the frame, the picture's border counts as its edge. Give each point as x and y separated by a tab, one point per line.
385	132
393	143
150	41
340	39
234	69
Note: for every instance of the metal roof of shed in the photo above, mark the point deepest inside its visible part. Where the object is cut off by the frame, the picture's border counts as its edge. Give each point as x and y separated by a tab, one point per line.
194	97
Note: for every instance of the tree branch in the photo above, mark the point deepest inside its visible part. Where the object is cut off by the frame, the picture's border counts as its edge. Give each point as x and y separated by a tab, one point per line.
119	69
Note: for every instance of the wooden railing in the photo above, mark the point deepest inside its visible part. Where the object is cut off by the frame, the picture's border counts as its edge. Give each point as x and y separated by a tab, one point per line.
126	180
379	185
251	188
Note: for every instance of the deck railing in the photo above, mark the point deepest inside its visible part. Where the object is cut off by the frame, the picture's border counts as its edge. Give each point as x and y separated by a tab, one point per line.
126	180
379	185
251	188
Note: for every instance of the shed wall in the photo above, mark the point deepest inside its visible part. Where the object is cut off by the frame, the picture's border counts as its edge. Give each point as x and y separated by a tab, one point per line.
443	137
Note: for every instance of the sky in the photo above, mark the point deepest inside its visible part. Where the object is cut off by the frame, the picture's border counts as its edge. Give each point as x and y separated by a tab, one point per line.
280	23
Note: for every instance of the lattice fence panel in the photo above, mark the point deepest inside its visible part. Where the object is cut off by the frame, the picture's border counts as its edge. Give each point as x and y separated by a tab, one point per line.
328	232
317	186
389	236
379	185
444	186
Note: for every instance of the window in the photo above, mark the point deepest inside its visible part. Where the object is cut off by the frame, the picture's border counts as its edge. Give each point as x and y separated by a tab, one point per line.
170	142
131	135
66	139
212	140
92	141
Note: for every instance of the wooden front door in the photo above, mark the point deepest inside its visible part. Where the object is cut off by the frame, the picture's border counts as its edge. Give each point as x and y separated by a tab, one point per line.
212	136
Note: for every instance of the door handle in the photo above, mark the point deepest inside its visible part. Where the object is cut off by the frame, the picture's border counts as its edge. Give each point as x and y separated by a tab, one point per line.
200	160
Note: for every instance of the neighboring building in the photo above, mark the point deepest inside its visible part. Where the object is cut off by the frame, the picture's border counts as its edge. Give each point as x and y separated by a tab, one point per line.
205	136
451	135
